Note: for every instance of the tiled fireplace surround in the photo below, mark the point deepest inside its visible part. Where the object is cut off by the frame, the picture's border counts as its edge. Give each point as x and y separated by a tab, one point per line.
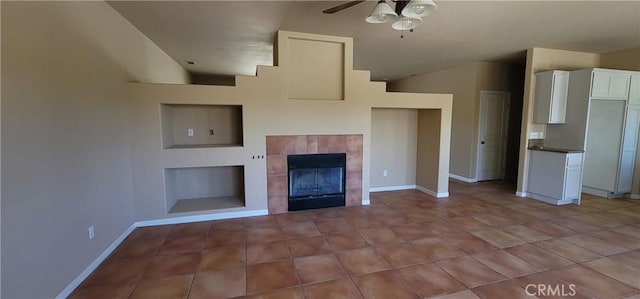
278	147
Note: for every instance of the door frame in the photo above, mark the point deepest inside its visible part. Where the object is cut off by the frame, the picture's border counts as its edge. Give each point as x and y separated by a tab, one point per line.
505	132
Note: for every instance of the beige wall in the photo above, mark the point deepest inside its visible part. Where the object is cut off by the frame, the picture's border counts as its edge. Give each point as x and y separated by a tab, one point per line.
465	83
623	60
269	110
205	79
503	77
327	70
225	121
538	60
199	182
394	137
429	151
459	81
66	155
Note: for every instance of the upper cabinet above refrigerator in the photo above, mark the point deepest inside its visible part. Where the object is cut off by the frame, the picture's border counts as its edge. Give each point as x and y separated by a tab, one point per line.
550	98
610	85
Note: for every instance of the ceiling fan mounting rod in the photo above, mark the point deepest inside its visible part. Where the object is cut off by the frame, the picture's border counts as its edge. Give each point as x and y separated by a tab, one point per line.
400	4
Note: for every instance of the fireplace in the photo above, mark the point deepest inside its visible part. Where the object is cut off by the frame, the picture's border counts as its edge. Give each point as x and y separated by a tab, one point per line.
279	147
316	181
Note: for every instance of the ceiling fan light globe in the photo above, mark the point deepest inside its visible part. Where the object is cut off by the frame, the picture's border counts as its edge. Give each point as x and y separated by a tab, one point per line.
406	23
382	13
419	8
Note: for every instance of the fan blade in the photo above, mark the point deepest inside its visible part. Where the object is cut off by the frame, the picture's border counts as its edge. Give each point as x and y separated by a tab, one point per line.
342	7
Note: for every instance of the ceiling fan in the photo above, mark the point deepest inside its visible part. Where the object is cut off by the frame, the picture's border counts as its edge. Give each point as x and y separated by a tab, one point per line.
407	14
346	5
342	7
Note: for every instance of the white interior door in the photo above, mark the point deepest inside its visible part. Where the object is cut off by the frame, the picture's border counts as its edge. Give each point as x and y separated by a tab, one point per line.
494	112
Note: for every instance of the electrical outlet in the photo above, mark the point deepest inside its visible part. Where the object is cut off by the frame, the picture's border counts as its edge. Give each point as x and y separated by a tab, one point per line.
190	132
385	173
211	132
92	232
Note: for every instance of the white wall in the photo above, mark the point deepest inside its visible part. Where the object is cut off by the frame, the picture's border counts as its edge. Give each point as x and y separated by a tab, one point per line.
66	153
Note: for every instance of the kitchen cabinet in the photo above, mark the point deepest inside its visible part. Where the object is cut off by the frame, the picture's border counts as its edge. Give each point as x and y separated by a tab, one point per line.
634	90
603	120
610	84
550	98
629	148
555	176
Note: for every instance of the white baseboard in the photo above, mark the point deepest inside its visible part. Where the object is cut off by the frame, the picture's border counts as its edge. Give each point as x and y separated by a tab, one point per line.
521	194
392	188
89	269
461	178
550	200
366	202
634	196
432	193
596	192
175	220
196	218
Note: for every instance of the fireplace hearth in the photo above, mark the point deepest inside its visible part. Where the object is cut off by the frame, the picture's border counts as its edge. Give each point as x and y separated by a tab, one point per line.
316	181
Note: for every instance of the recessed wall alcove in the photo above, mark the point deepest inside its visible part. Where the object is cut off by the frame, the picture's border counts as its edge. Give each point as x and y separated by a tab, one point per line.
190	189
200	126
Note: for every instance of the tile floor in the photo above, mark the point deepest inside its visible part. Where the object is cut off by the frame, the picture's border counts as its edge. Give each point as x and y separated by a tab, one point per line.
481	242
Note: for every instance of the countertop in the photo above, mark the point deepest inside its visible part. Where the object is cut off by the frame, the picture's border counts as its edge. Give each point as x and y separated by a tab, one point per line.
555	150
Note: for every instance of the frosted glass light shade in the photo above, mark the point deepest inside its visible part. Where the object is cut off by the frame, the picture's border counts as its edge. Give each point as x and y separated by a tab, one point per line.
406	23
419	8
382	13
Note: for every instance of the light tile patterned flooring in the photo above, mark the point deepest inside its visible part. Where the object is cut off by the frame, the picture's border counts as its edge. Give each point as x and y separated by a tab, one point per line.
481	242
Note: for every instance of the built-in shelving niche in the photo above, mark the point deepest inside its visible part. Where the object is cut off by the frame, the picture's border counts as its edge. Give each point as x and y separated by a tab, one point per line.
208	125
204	188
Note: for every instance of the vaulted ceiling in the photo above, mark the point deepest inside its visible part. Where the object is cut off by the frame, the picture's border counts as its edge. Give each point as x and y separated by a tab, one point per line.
233	37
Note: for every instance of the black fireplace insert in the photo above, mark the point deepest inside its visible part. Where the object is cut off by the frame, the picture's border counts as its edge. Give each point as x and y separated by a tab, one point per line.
316	181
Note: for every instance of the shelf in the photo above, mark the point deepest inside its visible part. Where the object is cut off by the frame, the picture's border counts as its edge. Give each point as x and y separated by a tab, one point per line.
207	203
192	189
201	126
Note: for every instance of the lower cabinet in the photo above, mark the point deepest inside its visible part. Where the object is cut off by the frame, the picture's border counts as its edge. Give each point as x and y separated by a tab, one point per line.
555	177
